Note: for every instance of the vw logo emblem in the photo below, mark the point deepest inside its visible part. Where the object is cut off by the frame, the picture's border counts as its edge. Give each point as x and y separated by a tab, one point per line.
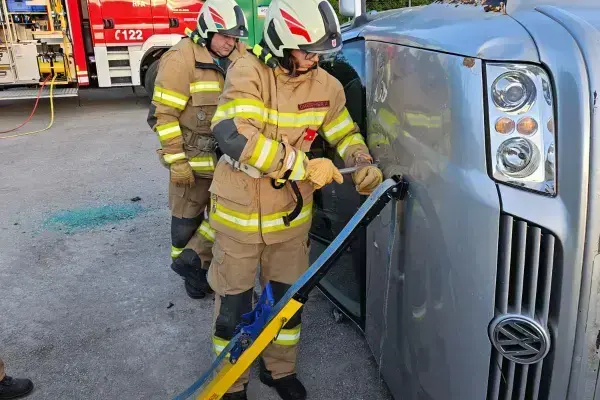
520	339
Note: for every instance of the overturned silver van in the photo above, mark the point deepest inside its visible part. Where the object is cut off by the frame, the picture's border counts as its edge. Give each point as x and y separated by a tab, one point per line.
485	282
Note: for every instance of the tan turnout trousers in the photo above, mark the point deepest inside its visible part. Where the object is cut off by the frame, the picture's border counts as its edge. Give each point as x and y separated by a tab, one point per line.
233	273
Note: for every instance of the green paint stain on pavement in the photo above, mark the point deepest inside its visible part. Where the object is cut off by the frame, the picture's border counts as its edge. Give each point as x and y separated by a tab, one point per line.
91	217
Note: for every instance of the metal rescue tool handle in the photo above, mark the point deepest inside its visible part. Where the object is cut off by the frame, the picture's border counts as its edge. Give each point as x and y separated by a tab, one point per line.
351	170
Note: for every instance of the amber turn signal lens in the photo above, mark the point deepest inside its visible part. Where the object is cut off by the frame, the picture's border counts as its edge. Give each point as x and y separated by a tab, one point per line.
527	126
505	125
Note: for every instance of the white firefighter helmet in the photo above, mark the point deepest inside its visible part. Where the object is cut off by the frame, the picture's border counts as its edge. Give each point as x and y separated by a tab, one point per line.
309	25
222	16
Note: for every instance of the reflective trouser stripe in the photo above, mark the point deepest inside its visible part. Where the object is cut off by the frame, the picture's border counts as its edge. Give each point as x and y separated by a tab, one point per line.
219	344
206	231
175	251
288	337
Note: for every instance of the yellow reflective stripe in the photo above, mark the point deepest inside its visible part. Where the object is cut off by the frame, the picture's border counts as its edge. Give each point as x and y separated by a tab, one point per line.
243	108
205	86
350	140
377	139
264	153
219	344
257	50
168	131
171	158
339	127
423	120
206	231
202	163
274	222
170	98
384	115
298	120
249	108
288	337
298	171
175	251
234	220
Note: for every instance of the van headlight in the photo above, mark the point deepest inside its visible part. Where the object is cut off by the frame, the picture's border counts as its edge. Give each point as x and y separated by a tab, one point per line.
522	130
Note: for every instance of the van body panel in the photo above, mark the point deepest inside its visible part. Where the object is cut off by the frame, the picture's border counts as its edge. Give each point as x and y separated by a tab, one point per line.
457	29
425	118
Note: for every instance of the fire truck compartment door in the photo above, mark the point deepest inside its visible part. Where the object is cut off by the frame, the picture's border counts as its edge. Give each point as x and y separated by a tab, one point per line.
126	22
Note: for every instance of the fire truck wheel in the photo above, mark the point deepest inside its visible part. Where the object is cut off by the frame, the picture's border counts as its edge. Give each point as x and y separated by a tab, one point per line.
150	77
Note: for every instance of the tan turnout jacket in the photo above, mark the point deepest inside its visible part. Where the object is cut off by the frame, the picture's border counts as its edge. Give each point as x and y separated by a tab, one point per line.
185	98
261	108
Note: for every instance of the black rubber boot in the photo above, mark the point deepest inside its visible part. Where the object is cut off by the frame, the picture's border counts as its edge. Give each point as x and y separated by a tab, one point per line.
235	396
187	261
11	388
288	387
196	285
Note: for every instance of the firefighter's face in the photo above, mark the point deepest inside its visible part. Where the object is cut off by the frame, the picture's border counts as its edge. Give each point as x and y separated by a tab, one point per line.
304	60
222	45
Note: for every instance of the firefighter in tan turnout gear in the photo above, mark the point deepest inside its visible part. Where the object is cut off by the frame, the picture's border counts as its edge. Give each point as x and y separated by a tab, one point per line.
275	101
190	78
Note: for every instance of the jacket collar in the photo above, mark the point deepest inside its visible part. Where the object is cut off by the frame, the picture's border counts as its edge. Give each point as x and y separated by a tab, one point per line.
262	52
195	36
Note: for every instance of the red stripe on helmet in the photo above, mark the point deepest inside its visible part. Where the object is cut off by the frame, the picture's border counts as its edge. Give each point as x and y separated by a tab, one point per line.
295	26
216	16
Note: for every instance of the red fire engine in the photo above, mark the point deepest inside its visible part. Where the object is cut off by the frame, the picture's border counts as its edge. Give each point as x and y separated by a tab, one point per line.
98	43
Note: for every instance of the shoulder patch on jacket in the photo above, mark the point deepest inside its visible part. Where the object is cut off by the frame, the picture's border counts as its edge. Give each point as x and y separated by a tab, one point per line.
313	104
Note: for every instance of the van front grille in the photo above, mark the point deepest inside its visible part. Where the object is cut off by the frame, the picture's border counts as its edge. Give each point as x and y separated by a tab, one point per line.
528	264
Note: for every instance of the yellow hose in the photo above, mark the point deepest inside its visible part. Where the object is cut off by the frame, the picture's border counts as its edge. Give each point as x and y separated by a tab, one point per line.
51	115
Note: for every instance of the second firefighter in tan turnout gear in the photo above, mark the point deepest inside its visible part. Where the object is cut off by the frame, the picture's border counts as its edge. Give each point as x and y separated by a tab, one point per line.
190	78
275	101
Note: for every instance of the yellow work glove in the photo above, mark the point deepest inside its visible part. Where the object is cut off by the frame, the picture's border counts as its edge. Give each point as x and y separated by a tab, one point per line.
367	179
321	171
182	173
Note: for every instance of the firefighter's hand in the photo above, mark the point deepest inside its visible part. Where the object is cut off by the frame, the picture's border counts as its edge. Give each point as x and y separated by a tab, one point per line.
182	173
367	179
321	171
